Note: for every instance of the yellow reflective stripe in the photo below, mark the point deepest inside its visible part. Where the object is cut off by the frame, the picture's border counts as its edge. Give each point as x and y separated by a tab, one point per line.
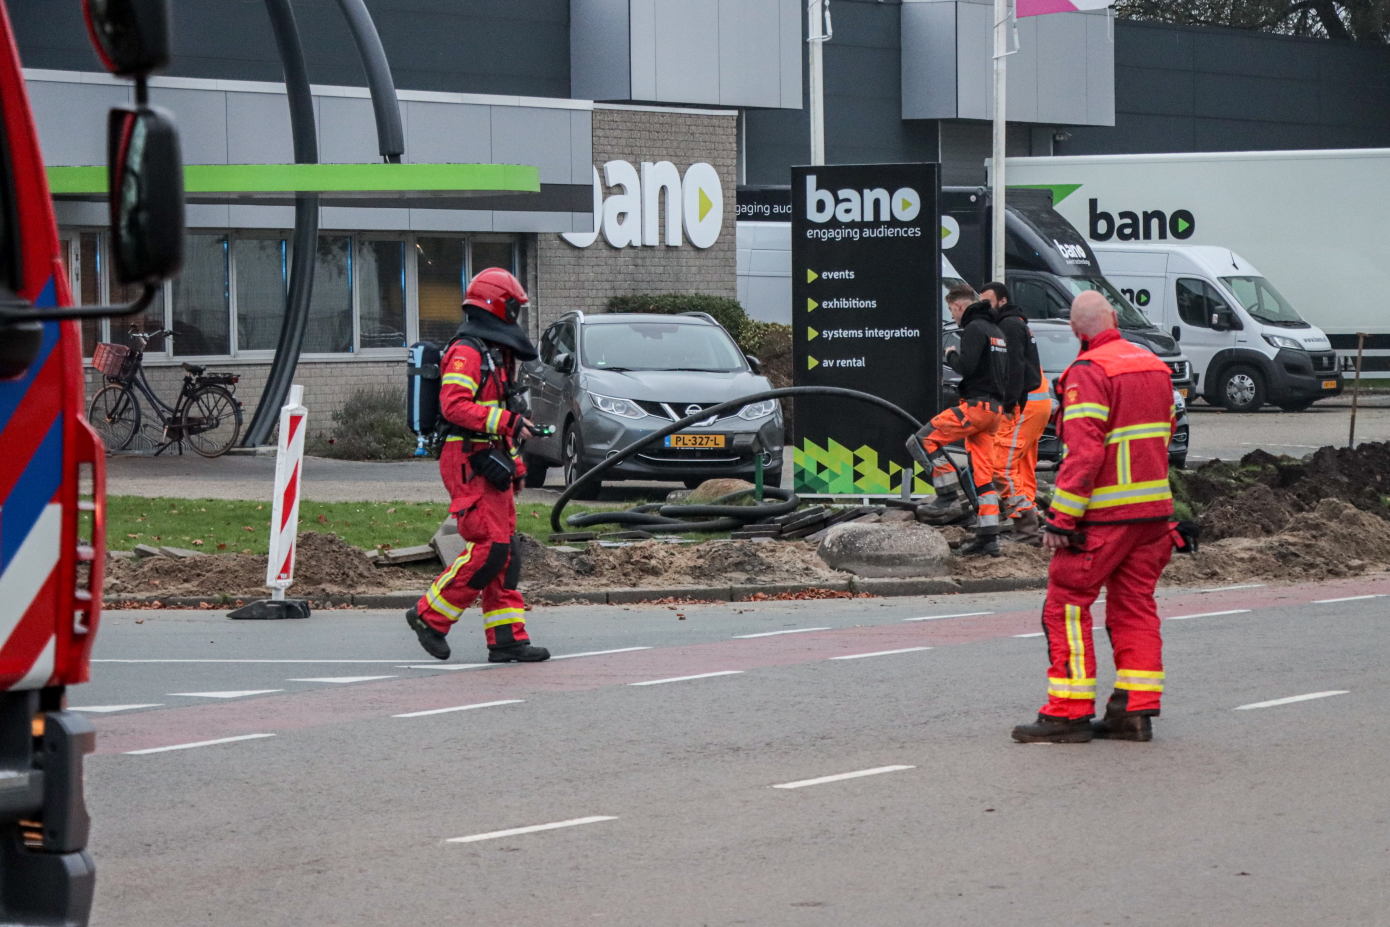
1122	463
504	616
1069	503
453	438
493	417
1076	642
459	379
1141	674
1137	432
1071	688
489	403
1086	410
1130	494
1138	686
435	595
1139	680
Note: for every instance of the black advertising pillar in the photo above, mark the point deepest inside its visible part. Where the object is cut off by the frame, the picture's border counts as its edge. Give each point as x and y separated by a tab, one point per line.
866	315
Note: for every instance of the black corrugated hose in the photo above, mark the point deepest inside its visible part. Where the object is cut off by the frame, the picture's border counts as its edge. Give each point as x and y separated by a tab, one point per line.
722	515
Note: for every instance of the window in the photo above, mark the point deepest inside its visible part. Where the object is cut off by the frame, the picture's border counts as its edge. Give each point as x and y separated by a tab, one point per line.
262	271
439	272
202	299
660	346
1197	300
330	305
1038	301
381	286
1264	302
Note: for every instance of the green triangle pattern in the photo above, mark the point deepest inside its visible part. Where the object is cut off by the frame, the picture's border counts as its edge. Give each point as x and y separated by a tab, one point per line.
837	470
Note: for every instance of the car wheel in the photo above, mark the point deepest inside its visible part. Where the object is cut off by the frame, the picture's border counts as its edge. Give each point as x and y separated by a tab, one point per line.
573	452
1296	406
535	471
1242	389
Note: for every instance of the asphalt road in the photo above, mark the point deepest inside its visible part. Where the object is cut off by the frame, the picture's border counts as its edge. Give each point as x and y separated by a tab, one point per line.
1244	818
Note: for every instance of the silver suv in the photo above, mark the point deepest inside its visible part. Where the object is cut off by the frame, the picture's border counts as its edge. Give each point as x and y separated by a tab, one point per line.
605	381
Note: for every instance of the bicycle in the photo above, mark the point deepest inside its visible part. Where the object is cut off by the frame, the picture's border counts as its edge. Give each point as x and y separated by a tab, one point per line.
206	415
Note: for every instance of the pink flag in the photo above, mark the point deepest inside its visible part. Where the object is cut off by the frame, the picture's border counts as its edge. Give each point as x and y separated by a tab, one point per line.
1043	7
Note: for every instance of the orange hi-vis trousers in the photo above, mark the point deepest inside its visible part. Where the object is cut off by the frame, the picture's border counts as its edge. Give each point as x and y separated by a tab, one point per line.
975	422
1016	453
1127	560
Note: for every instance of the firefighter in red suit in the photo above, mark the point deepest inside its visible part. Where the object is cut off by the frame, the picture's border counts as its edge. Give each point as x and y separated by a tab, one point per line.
1108	526
482	469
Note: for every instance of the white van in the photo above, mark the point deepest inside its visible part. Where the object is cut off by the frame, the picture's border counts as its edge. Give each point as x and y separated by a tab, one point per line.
1248	346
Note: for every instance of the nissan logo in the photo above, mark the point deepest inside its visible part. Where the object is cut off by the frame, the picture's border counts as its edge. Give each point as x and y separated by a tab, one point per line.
692	409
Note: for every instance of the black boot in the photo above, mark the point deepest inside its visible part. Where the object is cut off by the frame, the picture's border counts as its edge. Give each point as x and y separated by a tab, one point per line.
945	509
1120	724
517	653
433	641
1050	730
981	544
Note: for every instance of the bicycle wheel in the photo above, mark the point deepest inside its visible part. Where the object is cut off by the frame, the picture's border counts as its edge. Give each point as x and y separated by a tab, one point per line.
211	421
115	413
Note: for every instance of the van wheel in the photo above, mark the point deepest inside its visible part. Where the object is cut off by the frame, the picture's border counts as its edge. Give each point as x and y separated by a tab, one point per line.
535	471
1296	406
573	452
1242	389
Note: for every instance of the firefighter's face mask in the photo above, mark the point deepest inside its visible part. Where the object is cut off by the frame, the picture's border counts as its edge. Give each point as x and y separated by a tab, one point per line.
513	308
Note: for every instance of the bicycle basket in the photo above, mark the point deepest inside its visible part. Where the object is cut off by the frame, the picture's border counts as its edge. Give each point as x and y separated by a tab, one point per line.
115	360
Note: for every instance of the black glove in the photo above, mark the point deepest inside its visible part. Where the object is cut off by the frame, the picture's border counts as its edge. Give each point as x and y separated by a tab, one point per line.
1186	535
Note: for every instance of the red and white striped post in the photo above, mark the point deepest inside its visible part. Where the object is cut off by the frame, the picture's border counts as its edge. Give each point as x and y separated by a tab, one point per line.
284	525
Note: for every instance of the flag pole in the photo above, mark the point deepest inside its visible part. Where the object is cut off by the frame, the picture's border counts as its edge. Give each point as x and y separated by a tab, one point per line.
1002	20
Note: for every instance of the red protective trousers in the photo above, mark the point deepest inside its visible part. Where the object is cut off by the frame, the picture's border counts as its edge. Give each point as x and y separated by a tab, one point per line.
1016	454
975	422
490	564
1126	560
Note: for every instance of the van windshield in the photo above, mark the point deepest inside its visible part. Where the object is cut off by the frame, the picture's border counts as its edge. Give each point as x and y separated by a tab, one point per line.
946	284
1129	316
660	346
1264	302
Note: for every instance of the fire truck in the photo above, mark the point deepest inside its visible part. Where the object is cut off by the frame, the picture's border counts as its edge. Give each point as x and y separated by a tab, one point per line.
51	461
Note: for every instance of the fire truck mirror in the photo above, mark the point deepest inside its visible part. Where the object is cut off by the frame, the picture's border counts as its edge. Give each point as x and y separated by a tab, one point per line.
145	172
131	36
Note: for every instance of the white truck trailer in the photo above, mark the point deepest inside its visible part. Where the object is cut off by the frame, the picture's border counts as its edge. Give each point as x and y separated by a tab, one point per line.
1314	221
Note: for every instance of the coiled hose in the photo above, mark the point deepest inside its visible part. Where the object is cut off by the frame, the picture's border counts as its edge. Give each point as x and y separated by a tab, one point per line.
724	517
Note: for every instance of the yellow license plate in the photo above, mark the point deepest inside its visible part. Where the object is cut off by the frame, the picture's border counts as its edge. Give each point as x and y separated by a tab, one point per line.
1182	393
694	440
1329	384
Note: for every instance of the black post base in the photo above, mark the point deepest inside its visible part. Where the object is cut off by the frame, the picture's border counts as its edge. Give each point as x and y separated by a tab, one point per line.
266	609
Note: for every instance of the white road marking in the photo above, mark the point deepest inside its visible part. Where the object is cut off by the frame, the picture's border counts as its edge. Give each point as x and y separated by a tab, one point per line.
450	666
744	637
1350	598
1234	611
879	653
108	708
939	617
1241	586
1032	634
440	711
841	776
201	743
1291	699
597	653
246	661
657	682
534	828
237	694
341	680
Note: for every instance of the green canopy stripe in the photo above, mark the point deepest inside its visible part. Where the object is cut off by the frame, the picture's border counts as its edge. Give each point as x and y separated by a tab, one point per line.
323	178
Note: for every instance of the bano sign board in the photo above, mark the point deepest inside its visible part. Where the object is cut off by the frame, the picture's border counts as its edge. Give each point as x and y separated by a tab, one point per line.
866	315
632	218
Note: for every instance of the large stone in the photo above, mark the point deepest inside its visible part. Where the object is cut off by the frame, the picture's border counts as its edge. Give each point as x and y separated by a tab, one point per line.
885	550
711	490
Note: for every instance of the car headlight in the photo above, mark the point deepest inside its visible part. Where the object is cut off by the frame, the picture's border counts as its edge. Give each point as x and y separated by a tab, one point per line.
622	407
758	409
1179	403
1279	341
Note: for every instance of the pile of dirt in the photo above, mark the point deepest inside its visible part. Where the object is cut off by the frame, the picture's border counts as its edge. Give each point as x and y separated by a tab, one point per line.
1263	495
657	563
325	565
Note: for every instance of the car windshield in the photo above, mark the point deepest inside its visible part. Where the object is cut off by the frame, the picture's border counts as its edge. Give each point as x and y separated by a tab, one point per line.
1057	347
1263	301
946	284
659	346
1129	316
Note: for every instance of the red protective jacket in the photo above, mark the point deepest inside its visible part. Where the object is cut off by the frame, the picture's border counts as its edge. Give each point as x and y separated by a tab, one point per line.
1115	420
479	411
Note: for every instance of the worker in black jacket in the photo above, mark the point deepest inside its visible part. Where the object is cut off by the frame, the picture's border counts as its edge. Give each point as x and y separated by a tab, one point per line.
1027	407
982	362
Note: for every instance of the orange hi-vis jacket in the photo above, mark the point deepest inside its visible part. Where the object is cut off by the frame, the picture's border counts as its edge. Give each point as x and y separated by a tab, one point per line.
1115	420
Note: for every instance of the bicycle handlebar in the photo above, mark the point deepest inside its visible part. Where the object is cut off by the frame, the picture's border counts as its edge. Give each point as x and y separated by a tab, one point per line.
147	338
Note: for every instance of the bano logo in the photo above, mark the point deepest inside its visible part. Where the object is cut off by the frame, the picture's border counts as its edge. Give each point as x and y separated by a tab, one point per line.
1133	226
854	206
632	217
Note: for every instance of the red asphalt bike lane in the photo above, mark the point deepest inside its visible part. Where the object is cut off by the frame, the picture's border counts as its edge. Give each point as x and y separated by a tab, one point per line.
365	701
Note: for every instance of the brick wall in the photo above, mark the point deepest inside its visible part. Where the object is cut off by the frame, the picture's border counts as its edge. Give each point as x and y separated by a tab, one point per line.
584	278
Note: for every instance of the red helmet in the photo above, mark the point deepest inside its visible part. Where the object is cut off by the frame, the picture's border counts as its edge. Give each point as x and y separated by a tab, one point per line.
498	292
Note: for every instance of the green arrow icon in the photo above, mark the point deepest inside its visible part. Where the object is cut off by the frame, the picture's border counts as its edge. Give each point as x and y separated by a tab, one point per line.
811	276
811	305
811	334
811	363
1183	225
